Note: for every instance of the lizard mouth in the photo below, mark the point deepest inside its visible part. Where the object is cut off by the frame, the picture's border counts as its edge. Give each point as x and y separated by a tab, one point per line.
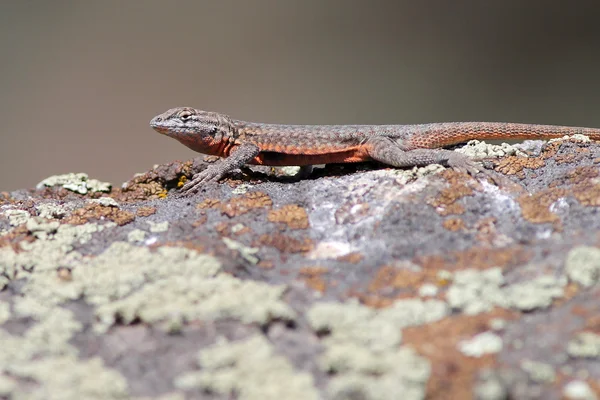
160	129
155	124
159	125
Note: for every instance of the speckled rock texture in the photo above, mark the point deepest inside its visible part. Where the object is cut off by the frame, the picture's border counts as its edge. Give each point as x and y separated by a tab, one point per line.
358	282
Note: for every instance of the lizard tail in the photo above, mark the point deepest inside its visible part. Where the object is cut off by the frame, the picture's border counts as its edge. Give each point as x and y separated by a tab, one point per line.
446	134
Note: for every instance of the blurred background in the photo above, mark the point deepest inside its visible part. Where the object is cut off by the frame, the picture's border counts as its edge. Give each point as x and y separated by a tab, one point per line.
79	81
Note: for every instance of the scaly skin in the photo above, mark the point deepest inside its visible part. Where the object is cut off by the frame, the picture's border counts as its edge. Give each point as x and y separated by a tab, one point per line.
241	142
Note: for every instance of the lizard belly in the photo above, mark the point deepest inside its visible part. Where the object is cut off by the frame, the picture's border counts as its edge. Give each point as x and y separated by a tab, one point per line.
283	159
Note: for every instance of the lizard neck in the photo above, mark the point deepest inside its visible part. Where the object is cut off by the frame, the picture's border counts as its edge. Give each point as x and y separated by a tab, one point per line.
206	144
217	143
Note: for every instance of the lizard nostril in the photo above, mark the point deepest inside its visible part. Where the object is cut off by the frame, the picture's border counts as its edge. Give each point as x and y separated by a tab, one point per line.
155	121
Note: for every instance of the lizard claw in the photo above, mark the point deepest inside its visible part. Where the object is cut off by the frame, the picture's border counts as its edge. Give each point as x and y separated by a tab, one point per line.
463	164
210	174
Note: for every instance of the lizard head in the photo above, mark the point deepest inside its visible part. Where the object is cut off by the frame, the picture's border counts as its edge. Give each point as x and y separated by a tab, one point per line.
187	124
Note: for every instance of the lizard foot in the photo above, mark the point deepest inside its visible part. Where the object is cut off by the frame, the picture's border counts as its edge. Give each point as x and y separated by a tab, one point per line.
462	163
211	174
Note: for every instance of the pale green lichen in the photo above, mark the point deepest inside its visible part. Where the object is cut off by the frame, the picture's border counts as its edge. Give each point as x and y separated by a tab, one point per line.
290	171
53	248
539	372
481	344
376	329
475	291
428	290
404	176
42	228
490	386
578	390
51	210
583	265
536	293
17	217
67	378
105	201
329	249
355	323
237	227
585	345
170	284
362	348
578	137
241	189
249	370
116	273
44	355
403	375
136	236
76	182
4	311
167	286
190	297
166	396
7	385
4	280
497	324
247	253
48	337
157	227
478	150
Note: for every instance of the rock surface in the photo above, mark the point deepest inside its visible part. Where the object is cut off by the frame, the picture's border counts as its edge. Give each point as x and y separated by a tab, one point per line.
359	282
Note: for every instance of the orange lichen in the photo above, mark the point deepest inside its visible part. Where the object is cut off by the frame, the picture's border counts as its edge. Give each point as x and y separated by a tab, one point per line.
454	224
446	202
145	211
264	264
208	203
535	207
153	184
353	258
294	216
476	257
200	221
514	165
453	374
241	205
15	237
313	278
587	194
285	244
582	174
95	211
486	229
388	277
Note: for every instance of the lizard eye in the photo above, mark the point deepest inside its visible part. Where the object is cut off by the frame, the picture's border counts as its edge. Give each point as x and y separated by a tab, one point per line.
185	115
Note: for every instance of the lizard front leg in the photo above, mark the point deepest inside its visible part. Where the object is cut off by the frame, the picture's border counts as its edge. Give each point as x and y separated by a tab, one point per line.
238	157
387	151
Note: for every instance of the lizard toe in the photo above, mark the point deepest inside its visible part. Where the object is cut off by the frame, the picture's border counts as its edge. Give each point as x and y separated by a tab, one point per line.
191	187
463	164
205	176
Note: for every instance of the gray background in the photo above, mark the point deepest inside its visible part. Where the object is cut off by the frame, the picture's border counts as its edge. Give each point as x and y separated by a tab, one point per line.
79	81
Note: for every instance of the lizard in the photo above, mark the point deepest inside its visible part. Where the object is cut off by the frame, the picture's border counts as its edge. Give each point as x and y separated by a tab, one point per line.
241	142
